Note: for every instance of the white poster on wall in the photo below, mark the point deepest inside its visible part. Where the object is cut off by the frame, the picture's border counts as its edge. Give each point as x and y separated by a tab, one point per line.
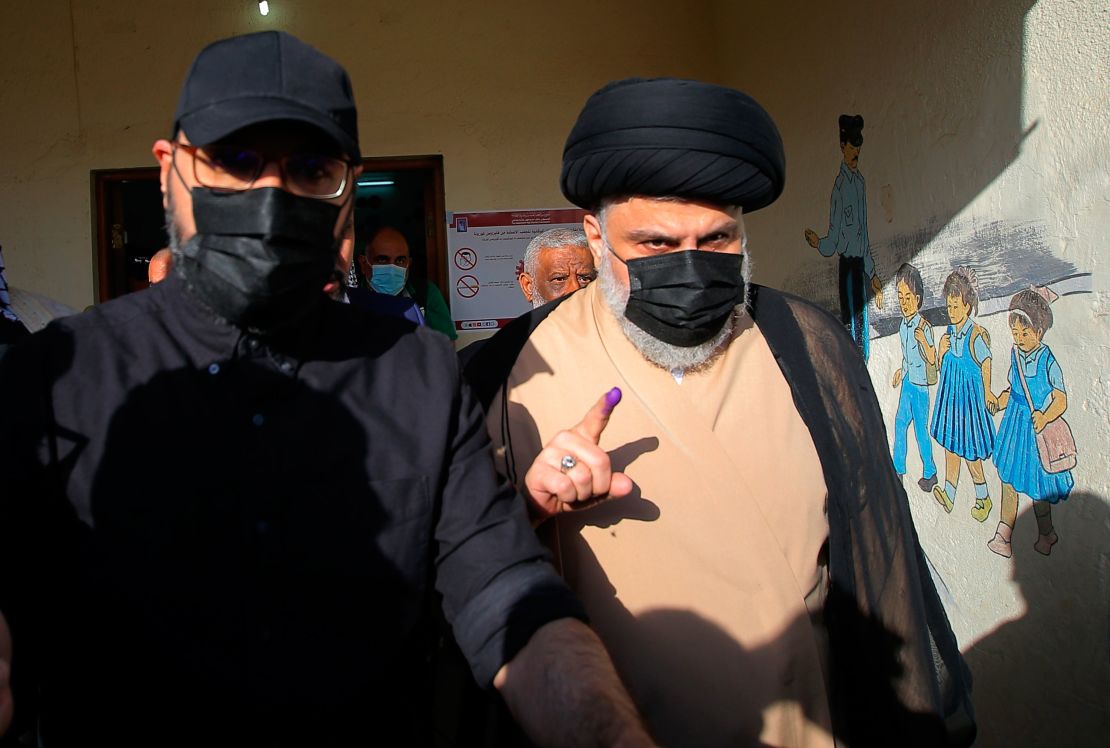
485	253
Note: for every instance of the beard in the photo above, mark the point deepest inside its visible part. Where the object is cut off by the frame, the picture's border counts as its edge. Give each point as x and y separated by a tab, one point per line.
172	231
661	353
537	300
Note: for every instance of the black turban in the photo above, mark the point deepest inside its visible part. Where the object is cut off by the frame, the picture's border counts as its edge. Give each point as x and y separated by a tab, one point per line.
667	137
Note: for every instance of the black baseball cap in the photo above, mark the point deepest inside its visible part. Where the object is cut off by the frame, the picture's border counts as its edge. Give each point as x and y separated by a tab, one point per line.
271	75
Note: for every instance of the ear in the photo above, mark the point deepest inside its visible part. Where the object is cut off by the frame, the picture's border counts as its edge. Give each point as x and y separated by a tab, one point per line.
525	282
594	238
163	154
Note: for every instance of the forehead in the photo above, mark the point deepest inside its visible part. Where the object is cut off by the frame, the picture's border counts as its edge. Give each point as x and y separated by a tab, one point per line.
562	255
669	216
281	136
388	242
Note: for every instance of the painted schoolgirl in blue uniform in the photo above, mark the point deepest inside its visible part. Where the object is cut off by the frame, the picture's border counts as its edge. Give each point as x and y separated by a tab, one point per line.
1019	464
962	421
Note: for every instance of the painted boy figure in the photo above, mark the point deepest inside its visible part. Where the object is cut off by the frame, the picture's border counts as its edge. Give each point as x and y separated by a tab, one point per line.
847	236
917	372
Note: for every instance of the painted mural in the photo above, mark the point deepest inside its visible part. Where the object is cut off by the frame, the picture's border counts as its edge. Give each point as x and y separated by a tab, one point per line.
1035	452
962	423
979	402
847	236
915	376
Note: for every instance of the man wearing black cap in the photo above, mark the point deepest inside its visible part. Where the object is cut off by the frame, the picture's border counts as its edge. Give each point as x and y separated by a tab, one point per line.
755	572
271	582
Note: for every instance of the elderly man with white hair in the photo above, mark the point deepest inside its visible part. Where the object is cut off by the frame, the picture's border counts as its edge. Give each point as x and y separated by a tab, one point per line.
556	263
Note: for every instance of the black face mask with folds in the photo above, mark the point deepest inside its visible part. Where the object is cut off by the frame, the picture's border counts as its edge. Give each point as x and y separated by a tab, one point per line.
261	257
683	298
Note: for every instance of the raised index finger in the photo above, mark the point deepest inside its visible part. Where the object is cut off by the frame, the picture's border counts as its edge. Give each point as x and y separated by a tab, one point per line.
597	417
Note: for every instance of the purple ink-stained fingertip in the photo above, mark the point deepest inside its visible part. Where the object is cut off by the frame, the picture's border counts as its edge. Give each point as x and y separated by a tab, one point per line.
612	397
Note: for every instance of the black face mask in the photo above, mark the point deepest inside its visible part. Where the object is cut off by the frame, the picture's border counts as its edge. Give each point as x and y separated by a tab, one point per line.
260	258
683	298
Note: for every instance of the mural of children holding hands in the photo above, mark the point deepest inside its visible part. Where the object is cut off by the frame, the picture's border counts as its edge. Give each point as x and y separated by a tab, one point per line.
918	371
1016	457
962	421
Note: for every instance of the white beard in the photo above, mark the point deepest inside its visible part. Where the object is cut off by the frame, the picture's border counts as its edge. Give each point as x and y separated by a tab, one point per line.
661	353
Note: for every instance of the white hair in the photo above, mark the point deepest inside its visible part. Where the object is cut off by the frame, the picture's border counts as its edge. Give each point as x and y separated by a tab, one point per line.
551	239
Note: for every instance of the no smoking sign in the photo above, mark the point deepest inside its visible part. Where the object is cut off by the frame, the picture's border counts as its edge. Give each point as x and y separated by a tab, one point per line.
467	286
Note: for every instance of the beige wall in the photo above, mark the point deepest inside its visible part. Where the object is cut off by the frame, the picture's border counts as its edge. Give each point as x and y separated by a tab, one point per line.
493	86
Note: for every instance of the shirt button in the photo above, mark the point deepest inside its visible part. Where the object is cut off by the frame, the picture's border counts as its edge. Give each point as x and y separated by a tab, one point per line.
257	419
213	369
252	343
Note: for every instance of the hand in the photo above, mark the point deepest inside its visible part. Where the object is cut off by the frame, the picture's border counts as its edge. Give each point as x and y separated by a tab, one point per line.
992	403
919	335
877	289
1003	399
945	344
1039	421
550	490
812	238
897	378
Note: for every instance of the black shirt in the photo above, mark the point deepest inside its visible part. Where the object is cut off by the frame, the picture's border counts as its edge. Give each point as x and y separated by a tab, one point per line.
207	536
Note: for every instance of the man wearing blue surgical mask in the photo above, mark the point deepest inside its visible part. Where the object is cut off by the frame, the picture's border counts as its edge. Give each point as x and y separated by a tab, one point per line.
385	266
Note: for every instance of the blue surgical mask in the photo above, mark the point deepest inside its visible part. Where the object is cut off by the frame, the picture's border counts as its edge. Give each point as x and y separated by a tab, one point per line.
388	279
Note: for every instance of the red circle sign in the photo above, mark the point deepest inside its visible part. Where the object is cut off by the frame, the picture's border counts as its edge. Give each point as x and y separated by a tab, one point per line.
466	258
467	286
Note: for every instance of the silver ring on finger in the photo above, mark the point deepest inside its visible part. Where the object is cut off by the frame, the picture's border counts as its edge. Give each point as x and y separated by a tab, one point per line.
567	463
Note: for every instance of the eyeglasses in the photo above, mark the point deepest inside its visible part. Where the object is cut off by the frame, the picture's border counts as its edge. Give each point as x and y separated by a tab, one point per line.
234	169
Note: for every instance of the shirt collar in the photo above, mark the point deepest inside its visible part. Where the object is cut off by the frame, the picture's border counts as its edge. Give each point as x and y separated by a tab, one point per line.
913	321
965	328
1032	356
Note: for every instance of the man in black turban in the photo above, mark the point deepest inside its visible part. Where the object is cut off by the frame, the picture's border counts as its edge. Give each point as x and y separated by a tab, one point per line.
754	572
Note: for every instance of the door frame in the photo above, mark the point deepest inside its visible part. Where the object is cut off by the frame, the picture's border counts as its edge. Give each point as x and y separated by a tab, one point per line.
435	235
109	263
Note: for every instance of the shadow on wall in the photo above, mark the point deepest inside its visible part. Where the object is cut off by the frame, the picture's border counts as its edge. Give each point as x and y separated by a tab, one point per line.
943	112
1055	660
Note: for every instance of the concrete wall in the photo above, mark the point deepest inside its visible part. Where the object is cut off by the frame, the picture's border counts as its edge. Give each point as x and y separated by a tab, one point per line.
985	144
493	86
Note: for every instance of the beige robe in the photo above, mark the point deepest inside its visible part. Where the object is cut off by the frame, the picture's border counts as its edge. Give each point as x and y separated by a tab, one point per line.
698	582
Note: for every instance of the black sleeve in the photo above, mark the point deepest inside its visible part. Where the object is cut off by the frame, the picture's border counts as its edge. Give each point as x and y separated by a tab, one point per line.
497	583
12	331
487	363
25	495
